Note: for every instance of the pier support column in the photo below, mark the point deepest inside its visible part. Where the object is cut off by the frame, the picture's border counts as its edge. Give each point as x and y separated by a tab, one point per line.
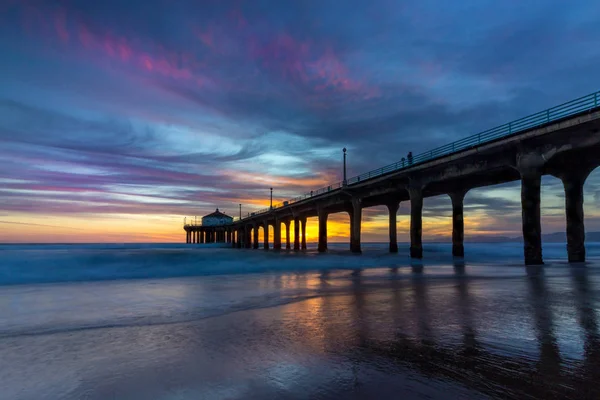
303	222
416	222
266	238
530	213
233	238
187	237
458	223
322	247
255	241
296	234
240	235
355	225
248	237
392	211
287	234
573	183
277	235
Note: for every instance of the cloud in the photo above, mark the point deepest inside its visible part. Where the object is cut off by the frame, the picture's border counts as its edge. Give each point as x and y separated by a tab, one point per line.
159	108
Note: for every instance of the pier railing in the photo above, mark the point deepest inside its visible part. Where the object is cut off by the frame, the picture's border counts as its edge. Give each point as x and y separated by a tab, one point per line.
192	221
552	114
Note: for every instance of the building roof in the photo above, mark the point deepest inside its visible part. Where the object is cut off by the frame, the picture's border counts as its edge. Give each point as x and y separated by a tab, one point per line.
218	214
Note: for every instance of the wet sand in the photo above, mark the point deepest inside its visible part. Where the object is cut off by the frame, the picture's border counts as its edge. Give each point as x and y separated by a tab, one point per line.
440	332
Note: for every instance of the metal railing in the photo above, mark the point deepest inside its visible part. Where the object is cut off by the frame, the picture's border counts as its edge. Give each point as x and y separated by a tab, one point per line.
555	113
192	221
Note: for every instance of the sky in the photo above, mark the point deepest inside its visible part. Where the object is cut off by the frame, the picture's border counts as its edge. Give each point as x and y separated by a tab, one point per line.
120	118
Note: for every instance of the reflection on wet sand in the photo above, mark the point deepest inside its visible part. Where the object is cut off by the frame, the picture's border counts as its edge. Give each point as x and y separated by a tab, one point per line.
414	301
586	315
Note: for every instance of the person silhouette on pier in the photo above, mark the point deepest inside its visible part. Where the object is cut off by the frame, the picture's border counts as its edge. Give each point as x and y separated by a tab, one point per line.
409	157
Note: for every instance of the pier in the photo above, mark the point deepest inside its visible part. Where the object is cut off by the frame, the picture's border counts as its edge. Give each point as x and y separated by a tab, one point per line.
563	141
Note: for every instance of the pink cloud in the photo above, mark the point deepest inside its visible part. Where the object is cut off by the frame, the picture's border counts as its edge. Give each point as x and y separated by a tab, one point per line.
60	24
66	25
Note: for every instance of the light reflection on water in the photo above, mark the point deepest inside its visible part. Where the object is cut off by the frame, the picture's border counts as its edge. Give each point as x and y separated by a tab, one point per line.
446	331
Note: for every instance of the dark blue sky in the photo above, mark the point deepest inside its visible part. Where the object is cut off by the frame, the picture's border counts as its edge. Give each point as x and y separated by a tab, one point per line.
127	112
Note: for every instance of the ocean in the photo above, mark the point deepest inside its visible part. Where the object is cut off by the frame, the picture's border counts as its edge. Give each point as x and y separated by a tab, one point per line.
176	321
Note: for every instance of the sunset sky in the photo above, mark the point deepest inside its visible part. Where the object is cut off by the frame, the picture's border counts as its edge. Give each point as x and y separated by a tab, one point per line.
120	118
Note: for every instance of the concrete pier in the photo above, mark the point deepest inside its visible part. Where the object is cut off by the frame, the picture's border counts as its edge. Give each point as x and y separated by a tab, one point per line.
530	206
255	229
322	246
458	223
296	234
573	185
277	235
287	234
355	225
416	222
303	223
266	235
559	142
392	211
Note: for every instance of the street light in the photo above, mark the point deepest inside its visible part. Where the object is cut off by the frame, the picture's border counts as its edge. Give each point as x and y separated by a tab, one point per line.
344	182
271	198
240	211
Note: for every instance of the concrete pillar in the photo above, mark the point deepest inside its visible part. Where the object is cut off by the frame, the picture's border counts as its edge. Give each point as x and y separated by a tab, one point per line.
416	222
530	213
296	234
277	235
355	225
322	247
266	238
233	238
303	222
187	237
573	183
287	234
240	234
392	211
458	223
255	241
248	237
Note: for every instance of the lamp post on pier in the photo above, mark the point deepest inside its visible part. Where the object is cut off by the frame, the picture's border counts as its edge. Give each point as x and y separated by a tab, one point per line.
344	182
271	207
240	211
